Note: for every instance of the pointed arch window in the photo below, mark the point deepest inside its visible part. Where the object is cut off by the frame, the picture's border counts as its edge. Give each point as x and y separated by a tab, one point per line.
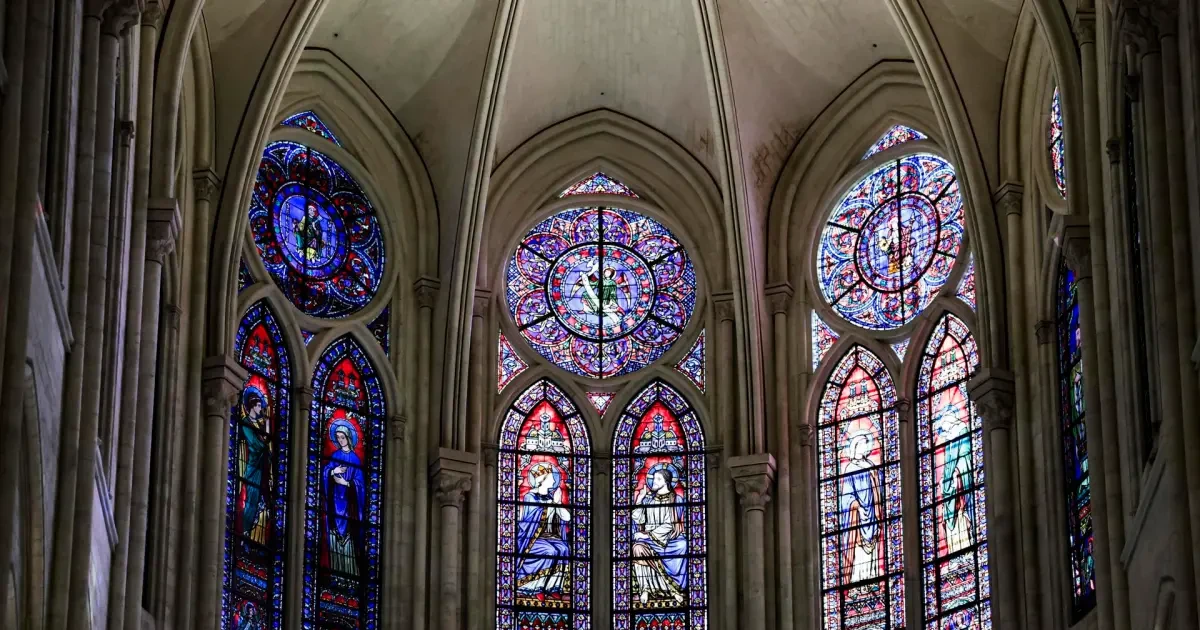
309	121
1056	145
344	500
660	546
544	485
898	134
954	548
256	490
862	557
1077	481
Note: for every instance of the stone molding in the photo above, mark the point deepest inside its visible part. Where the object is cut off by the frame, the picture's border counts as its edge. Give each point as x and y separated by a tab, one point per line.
1076	246
206	185
162	228
753	476
994	393
426	291
221	382
452	473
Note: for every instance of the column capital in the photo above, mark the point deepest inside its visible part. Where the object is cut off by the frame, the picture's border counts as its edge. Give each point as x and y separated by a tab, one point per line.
1113	148
723	306
483	299
779	297
1008	198
120	16
903	407
221	382
426	290
171	316
162	227
1045	330
752	478
491	454
206	184
805	433
452	472
153	14
1139	26
397	426
994	391
1076	246
1085	26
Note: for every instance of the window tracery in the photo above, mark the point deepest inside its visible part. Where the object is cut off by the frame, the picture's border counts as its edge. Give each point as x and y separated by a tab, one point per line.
1056	145
898	134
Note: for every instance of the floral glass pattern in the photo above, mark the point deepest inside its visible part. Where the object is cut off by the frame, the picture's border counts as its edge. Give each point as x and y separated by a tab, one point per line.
601	292
544	481
256	489
508	364
1074	443
1057	145
891	242
823	339
954	549
966	287
344	500
898	134
598	184
244	277
692	364
316	232
901	348
600	400
660	532
381	329
309	121
862	550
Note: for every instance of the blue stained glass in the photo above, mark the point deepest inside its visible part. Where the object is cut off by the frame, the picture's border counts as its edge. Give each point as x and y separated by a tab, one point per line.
660	541
244	277
307	335
344	501
601	292
256	486
544	518
1057	145
966	287
692	364
381	329
823	338
955	564
509	364
309	121
1077	480
890	243
859	494
901	348
898	134
598	184
316	232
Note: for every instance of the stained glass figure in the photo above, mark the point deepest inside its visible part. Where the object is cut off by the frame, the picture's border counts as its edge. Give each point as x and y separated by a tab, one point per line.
316	232
823	339
344	500
955	572
244	277
901	349
598	184
891	242
601	292
862	542
966	287
508	364
307	335
309	121
1074	442
544	481
1057	145
600	400
660	571
256	489
381	328
692	364
898	134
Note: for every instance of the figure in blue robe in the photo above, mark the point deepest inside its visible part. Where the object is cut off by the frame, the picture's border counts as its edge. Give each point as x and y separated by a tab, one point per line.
255	457
542	530
345	500
859	502
958	514
660	541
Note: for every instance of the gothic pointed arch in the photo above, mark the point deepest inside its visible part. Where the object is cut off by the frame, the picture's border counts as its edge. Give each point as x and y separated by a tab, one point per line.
544	513
659	507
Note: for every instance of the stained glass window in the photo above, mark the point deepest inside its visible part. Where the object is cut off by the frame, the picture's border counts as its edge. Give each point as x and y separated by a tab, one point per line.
256	490
954	550
692	364
600	400
601	291
966	287
543	568
891	242
862	550
901	349
823	339
898	134
1074	441
344	501
381	328
660	542
307	335
598	184
508	364
1057	145
244	277
315	230
309	121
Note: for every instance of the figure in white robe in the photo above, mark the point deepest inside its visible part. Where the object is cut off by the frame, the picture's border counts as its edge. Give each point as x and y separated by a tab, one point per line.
659	541
860	500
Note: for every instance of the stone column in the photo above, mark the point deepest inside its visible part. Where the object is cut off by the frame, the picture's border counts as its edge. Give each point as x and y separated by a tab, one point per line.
395	569
293	595
452	475
779	299
425	292
487	603
602	572
753	476
728	430
481	383
808	600
223	379
910	496
993	392
10	147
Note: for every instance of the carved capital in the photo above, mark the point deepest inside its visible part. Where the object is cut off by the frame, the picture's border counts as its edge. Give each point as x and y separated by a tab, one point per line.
779	298
1085	26
1045	331
397	426
903	407
451	474
206	185
994	394
1139	26
753	476
221	382
491	454
1113	148
483	299
723	306
153	14
1076	246
119	17
1008	198
426	290
162	228
805	433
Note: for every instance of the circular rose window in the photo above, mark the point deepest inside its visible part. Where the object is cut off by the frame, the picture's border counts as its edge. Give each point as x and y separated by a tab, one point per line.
891	242
601	291
316	231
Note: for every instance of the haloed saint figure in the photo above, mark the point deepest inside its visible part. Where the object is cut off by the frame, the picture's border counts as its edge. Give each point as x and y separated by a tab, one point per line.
344	491
860	506
659	540
255	463
543	573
